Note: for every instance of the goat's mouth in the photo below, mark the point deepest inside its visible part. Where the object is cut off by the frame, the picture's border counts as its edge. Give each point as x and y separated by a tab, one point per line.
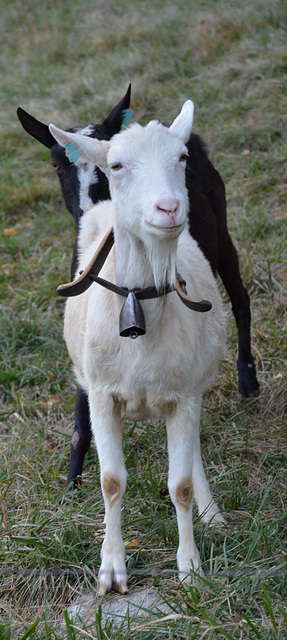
166	230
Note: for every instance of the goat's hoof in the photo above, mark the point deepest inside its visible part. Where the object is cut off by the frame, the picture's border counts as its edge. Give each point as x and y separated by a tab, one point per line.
104	586
121	587
212	516
111	579
188	577
217	521
248	383
189	566
249	393
103	589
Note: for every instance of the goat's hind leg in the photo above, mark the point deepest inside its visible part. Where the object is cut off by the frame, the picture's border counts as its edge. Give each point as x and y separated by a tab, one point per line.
81	439
186	481
208	509
108	432
228	269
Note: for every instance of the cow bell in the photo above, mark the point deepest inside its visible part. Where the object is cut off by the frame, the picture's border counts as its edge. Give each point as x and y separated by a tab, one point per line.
132	321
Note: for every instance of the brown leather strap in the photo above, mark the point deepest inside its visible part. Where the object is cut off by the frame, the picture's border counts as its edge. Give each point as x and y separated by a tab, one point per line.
195	305
84	281
90	275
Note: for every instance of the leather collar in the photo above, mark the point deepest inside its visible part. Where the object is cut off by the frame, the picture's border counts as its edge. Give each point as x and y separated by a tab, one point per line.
90	275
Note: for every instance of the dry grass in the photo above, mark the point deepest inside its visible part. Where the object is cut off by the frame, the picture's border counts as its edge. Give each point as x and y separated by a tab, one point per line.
70	63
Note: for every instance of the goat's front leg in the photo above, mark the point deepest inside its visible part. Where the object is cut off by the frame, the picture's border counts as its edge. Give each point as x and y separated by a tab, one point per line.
186	481
108	432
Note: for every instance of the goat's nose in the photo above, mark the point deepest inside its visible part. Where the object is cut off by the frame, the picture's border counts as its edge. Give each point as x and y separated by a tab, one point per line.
169	206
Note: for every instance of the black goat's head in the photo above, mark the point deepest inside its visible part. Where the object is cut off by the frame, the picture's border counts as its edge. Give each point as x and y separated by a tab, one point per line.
85	185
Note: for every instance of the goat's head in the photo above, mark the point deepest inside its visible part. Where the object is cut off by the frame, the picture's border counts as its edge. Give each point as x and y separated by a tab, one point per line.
145	167
83	185
146	171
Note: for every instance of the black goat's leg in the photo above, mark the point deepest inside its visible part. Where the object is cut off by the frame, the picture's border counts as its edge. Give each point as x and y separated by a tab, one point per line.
81	438
228	269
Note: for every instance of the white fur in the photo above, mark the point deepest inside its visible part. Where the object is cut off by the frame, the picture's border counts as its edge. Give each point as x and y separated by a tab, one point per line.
86	131
166	370
87	175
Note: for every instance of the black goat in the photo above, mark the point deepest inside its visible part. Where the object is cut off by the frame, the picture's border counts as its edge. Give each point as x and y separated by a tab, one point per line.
85	185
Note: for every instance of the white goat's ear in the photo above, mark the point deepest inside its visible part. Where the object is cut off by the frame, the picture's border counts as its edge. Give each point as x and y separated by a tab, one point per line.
81	148
182	125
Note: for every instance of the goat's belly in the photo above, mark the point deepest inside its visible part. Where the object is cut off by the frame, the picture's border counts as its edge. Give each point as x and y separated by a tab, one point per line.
145	380
139	387
141	407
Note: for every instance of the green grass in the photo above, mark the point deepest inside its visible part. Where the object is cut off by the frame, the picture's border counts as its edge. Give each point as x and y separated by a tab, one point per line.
69	63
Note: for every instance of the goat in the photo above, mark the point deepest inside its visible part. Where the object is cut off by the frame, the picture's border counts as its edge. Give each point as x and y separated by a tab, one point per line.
168	368
207	221
82	186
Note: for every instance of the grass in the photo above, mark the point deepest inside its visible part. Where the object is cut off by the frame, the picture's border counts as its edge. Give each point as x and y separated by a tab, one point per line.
70	63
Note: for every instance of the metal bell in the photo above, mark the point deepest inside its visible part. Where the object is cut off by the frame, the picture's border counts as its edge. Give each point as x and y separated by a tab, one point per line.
132	321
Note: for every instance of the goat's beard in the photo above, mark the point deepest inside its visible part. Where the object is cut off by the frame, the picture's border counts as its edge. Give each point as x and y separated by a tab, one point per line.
162	258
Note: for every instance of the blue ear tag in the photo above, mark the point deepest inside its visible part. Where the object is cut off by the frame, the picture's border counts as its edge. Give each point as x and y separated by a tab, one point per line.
126	115
73	151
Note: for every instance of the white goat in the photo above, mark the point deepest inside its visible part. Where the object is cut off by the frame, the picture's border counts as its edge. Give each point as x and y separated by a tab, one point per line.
167	369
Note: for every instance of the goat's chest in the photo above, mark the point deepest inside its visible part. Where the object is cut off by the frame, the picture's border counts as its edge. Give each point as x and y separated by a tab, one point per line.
149	373
137	375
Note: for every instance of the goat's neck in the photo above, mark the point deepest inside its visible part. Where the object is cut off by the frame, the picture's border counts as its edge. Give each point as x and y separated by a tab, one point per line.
139	265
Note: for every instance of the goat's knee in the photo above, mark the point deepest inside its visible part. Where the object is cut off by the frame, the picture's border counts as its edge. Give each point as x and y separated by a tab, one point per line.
112	488
184	493
181	492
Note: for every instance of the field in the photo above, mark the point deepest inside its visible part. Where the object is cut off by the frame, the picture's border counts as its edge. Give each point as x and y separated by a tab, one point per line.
70	63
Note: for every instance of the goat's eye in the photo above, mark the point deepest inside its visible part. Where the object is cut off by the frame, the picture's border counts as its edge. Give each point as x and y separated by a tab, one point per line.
183	157
116	166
